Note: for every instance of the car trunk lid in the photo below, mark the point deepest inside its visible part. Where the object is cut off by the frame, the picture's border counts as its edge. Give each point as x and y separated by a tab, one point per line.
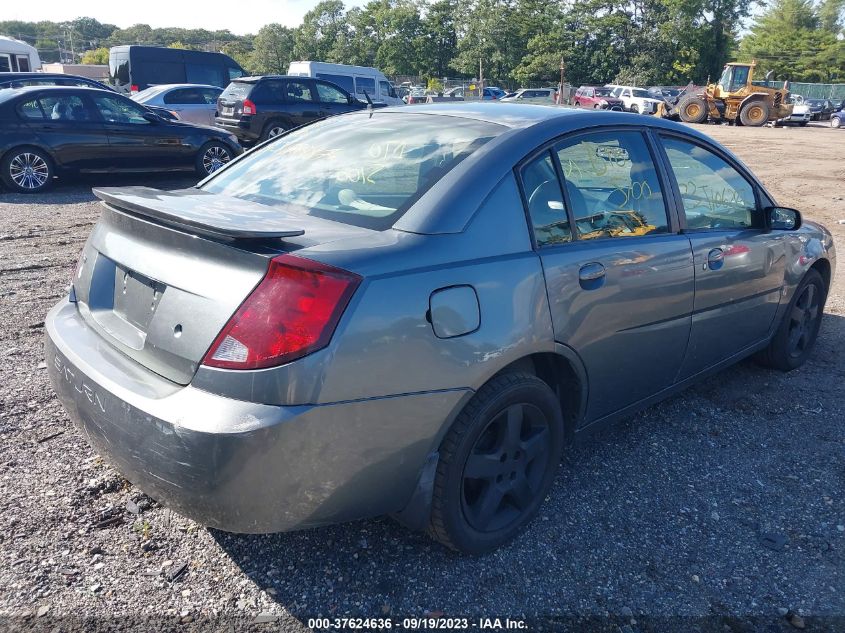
163	272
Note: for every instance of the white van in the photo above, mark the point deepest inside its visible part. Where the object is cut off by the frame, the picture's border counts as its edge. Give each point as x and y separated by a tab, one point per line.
356	80
17	56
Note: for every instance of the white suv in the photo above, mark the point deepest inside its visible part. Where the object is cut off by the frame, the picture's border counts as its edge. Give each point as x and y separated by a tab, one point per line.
636	100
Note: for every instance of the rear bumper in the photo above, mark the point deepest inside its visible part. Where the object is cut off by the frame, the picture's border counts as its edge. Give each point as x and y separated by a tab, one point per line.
242	128
241	466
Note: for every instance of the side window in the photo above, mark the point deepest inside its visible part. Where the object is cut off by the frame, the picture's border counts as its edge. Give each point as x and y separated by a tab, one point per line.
66	108
30	110
117	110
545	202
5	63
182	95
367	84
612	185
715	195
209	96
330	94
23	64
268	91
298	91
385	89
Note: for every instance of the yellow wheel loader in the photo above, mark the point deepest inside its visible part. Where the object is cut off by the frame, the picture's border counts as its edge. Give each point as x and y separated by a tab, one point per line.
734	98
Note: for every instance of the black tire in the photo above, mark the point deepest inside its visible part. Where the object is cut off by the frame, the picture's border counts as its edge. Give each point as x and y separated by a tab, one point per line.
513	429
755	113
272	129
836	121
635	108
212	156
27	170
803	124
692	109
796	335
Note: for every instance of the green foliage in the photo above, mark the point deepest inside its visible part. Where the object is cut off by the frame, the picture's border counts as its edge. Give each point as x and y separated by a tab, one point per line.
273	50
509	41
95	56
796	41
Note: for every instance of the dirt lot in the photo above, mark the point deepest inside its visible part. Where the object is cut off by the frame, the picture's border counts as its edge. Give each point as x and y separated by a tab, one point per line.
721	509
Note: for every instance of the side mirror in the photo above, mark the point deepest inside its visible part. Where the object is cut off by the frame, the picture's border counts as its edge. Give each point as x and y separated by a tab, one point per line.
152	117
782	219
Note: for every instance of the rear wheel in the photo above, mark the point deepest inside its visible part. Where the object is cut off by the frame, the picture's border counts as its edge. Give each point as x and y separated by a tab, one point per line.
692	109
497	464
211	157
272	130
754	114
27	170
796	335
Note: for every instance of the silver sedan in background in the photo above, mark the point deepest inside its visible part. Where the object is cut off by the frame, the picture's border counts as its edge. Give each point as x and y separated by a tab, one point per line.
195	103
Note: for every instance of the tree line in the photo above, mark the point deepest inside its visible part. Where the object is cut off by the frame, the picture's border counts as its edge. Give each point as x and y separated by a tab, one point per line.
512	41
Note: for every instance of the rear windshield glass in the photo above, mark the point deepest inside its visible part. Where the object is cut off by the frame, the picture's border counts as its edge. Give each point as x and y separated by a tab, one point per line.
237	90
354	169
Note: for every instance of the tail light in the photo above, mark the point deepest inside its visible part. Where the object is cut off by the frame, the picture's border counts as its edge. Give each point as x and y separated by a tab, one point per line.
133	88
291	313
249	107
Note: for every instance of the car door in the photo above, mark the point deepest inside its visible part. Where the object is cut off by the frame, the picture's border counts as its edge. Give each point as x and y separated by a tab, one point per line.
739	268
301	100
618	271
333	100
187	103
66	122
137	142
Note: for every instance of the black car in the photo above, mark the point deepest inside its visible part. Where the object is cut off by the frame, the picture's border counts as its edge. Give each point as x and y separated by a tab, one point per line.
50	130
258	108
20	80
820	109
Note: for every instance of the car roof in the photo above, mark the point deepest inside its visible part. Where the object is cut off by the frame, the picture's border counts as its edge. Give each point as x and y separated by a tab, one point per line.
173	86
254	78
11	93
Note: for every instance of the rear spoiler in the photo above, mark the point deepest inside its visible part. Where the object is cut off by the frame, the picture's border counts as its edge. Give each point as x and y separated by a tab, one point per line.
203	213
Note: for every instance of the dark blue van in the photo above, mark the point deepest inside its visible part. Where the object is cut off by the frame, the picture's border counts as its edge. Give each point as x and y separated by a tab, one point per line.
136	68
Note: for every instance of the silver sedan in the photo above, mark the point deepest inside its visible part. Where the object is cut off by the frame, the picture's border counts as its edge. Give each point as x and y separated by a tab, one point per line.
195	103
415	312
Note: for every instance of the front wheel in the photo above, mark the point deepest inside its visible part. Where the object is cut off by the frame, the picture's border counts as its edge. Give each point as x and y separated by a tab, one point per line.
692	109
796	335
754	114
27	170
835	121
635	108
496	464
211	157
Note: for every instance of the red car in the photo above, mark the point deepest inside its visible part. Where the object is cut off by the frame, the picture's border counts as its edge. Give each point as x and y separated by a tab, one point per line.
597	98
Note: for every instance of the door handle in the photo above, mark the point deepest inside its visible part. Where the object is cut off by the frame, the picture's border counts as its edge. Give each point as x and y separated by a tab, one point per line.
591	275
715	258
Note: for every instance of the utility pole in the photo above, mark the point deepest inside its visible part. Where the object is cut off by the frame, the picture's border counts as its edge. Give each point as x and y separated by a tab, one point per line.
560	90
480	79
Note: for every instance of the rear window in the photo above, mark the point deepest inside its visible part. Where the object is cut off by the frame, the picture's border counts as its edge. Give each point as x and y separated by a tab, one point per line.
354	169
237	90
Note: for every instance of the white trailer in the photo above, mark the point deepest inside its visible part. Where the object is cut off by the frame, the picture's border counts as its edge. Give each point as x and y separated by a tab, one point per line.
17	56
356	80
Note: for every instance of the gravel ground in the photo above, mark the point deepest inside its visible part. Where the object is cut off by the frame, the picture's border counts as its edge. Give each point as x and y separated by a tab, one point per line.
720	509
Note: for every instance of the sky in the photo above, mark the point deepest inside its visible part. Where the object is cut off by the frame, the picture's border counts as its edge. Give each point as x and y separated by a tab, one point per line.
161	13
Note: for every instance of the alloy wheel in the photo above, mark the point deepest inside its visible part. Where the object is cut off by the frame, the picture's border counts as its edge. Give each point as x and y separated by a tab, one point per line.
29	171
214	158
505	468
275	131
802	320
